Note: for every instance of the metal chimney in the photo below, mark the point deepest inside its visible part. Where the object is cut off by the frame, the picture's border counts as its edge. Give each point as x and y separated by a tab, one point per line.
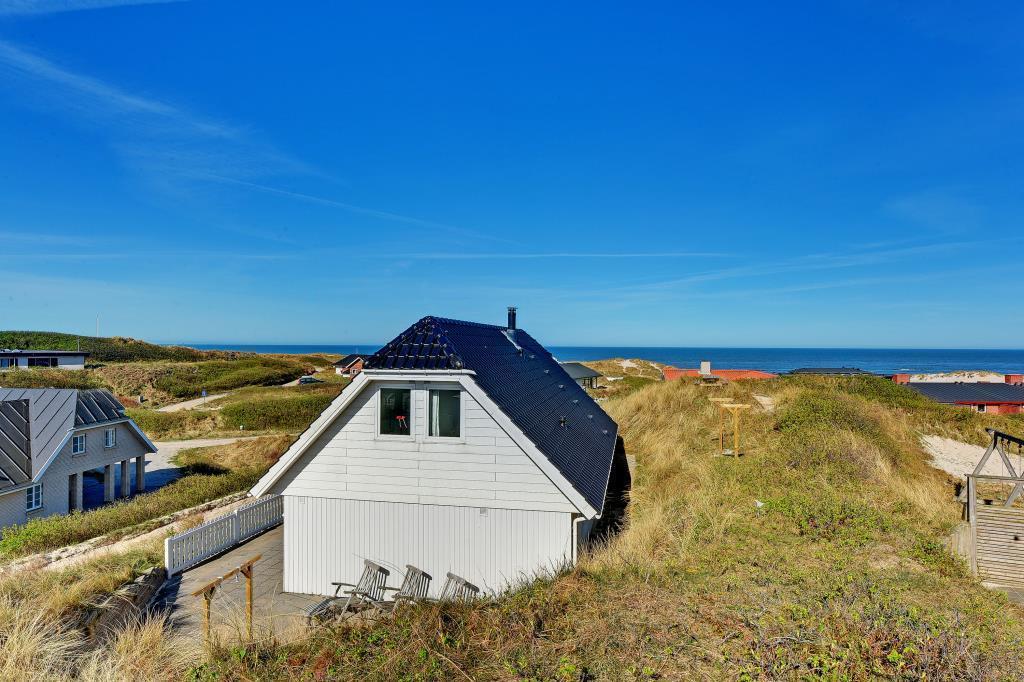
511	318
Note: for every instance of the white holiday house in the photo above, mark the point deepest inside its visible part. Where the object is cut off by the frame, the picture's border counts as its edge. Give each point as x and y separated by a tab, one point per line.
461	447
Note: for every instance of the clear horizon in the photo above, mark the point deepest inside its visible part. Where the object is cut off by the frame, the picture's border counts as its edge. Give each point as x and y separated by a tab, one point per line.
741	175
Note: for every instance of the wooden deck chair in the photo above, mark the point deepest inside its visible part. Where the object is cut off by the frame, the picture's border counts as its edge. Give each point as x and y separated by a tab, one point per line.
457	588
369	591
414	587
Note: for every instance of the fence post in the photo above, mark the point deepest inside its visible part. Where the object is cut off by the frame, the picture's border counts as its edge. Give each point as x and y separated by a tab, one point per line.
972	503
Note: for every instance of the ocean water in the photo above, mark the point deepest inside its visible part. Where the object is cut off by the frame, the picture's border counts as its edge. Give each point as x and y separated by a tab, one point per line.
880	360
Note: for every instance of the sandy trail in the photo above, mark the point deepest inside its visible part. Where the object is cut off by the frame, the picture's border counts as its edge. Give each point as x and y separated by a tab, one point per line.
959	459
189	404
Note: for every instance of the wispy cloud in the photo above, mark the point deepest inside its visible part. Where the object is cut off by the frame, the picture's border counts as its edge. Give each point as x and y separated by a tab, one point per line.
544	256
352	208
175	147
33	7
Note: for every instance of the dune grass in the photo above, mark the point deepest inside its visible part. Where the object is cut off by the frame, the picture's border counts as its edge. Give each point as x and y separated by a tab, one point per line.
819	554
39	616
50	378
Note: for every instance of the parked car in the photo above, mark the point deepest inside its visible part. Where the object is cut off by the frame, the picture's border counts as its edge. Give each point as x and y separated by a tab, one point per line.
310	380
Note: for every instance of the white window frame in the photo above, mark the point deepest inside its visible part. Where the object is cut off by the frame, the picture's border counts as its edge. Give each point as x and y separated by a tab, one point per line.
34	497
378	411
461	438
109	438
74	444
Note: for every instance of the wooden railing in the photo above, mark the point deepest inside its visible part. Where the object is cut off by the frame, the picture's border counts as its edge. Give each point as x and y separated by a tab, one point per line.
194	546
997	529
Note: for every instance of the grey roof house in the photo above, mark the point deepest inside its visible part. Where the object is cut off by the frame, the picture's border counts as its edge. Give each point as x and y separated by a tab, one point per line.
581	374
50	438
27	359
461	447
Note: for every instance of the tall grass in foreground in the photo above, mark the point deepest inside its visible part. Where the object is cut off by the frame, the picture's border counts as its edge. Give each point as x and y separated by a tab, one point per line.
40	611
820	553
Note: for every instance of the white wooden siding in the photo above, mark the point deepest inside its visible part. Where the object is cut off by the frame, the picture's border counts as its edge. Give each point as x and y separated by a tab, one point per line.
483	468
326	540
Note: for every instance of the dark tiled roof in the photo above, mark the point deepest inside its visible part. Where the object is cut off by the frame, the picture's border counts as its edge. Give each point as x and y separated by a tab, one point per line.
829	370
349	359
579	371
980	392
529	386
51	413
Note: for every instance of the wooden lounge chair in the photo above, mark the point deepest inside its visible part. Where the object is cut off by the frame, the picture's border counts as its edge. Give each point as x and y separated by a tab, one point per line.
457	588
414	587
369	591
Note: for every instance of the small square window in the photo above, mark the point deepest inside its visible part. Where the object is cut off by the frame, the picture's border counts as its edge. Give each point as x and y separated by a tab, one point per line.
78	444
110	438
395	408
34	497
445	421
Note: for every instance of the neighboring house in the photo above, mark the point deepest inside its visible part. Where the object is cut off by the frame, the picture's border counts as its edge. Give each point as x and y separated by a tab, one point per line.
350	365
581	374
25	359
50	437
670	373
830	371
979	396
461	447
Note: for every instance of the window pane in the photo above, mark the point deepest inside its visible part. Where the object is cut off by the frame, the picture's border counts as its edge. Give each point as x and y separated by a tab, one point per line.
444	414
394	411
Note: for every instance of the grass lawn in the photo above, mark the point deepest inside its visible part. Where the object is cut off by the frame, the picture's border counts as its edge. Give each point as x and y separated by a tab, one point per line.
819	554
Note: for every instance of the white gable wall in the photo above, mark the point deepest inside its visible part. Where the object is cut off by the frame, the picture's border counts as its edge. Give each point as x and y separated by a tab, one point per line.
326	540
477	506
483	468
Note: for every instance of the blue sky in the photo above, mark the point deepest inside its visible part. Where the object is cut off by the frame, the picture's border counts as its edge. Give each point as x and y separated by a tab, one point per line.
741	174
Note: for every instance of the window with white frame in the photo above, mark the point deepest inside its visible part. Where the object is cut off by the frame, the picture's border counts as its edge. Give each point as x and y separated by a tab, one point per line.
34	497
395	412
78	444
110	438
445	408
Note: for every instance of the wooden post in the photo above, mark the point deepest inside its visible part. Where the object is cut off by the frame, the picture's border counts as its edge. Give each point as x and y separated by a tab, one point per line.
207	594
247	572
720	402
972	495
736	408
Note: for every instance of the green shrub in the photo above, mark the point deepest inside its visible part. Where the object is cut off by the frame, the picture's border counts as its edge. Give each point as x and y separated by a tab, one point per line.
188	380
291	412
103	349
51	532
166	425
50	378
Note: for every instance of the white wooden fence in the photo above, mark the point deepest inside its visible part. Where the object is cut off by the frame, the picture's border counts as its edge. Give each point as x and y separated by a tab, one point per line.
194	546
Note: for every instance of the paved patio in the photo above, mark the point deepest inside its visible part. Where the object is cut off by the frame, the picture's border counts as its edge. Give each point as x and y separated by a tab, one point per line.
274	611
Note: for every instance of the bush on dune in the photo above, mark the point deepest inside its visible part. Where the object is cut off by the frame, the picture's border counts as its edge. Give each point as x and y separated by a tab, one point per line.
188	380
50	378
840	572
292	412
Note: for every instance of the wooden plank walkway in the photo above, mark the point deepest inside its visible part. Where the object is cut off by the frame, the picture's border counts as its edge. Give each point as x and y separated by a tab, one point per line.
276	612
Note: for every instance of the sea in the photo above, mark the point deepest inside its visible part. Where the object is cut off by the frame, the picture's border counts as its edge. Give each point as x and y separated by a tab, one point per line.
878	360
